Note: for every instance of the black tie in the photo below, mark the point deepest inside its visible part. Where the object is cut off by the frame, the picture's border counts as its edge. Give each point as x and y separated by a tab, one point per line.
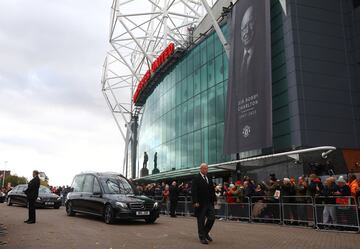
205	178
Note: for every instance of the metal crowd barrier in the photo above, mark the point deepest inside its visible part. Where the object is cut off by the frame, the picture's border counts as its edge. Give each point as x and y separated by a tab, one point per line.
298	210
320	212
265	209
336	212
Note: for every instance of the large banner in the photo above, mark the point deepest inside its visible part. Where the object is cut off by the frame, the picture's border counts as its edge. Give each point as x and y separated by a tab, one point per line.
248	118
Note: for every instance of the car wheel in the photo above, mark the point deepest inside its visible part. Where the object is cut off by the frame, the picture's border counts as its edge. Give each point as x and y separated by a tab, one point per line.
150	220
9	201
69	209
56	206
108	214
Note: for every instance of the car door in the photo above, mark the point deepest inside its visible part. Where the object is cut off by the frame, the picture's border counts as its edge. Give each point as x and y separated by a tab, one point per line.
76	194
97	201
13	195
21	196
87	192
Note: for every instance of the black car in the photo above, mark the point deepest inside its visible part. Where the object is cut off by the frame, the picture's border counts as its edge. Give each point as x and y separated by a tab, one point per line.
111	196
45	199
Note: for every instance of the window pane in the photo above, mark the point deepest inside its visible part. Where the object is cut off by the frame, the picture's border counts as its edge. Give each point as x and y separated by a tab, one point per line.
218	46
96	188
212	144
219	69
197	81
184	145
210	73
203	53
78	183
184	90
204	111
190	148
210	46
197	62
204	79
204	145
190	63
184	118
178	93
190	84
88	184
197	112
211	106
177	121
220	142
190	115
220	108
197	148
183	68
178	154
226	66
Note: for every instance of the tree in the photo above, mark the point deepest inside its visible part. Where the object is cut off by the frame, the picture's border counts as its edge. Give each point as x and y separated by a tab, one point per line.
15	180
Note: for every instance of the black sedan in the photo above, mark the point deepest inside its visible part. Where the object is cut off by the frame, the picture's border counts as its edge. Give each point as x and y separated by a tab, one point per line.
45	199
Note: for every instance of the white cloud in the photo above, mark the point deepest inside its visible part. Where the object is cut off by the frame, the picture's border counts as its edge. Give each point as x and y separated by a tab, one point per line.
52	114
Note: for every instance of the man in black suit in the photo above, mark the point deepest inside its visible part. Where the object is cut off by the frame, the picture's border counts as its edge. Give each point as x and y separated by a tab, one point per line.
203	198
174	196
32	193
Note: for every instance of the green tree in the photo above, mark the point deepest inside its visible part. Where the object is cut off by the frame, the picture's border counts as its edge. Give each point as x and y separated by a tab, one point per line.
15	180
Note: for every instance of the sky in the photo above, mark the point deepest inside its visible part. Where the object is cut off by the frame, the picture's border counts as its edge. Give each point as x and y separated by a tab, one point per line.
53	116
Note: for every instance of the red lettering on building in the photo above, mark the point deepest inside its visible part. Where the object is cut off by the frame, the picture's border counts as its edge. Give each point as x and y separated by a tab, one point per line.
169	50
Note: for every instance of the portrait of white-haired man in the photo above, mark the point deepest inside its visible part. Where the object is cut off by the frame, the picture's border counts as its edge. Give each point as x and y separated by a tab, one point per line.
249	86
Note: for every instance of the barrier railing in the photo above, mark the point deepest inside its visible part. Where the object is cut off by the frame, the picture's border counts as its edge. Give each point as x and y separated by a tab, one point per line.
239	210
265	209
336	212
318	212
298	210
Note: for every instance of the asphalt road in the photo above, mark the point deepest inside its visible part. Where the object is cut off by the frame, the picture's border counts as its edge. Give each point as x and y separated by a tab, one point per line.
55	230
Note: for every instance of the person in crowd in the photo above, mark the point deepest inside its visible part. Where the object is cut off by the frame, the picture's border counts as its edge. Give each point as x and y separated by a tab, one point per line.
258	198
32	193
315	187
342	188
343	200
288	193
231	193
174	191
329	202
354	187
165	197
248	189
219	199
203	198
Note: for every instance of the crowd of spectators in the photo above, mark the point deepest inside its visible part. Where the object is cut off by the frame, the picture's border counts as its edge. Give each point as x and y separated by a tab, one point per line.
289	188
265	196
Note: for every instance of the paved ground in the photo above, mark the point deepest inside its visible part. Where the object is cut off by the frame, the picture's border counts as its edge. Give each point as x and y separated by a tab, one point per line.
55	230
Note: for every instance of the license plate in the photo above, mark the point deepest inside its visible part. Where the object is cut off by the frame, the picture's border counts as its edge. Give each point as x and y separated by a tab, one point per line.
142	212
49	203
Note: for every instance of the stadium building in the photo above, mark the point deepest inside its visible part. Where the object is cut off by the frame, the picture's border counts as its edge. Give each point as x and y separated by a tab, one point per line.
182	106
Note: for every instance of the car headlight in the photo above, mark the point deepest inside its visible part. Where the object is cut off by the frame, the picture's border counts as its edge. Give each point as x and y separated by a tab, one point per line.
121	204
156	205
58	199
39	199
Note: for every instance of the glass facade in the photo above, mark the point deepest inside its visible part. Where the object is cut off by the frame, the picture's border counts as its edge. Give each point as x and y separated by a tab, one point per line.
183	119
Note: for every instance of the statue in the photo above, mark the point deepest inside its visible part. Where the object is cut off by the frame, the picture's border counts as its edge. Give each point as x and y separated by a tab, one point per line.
155	170
144	171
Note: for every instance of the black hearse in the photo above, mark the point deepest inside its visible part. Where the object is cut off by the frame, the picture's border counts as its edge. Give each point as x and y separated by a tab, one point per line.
110	196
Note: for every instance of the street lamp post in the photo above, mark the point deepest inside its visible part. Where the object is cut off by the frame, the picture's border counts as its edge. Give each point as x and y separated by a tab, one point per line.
3	181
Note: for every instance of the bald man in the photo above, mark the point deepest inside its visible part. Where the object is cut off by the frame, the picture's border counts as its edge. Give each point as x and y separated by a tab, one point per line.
203	198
